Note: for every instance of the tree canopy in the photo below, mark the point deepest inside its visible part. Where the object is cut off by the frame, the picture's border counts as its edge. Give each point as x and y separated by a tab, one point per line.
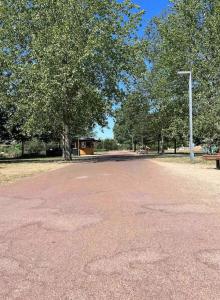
64	64
67	61
186	37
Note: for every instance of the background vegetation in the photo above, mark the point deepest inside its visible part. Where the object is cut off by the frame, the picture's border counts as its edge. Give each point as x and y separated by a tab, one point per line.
64	66
187	37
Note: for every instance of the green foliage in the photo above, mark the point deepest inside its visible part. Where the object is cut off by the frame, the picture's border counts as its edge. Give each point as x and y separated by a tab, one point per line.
34	147
132	119
107	145
10	151
70	59
185	39
63	65
4	134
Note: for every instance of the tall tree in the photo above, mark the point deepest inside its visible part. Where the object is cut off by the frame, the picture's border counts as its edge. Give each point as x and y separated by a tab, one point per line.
68	60
186	38
132	119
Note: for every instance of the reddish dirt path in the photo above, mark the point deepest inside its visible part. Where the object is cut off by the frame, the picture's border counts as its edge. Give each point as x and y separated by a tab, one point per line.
109	230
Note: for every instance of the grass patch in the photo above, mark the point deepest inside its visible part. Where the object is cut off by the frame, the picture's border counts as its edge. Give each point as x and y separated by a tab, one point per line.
199	160
11	172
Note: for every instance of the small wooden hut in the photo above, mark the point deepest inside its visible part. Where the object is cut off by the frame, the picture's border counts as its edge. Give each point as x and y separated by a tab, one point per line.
84	146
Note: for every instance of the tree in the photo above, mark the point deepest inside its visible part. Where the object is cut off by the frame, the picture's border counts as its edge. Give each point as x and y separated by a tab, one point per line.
108	145
132	119
185	38
69	60
4	134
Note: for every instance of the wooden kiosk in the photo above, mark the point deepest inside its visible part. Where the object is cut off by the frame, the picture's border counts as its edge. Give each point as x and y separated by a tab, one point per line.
84	146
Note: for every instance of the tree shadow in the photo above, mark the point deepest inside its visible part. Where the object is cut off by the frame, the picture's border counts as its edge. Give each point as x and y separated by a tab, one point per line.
114	158
82	159
92	159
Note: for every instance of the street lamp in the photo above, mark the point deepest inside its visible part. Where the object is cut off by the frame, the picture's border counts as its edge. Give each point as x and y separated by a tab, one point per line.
191	146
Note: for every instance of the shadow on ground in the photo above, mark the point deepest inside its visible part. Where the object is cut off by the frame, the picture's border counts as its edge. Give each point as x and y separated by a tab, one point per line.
130	157
92	159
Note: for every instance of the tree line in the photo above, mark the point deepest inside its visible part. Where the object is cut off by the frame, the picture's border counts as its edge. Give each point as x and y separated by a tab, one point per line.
185	37
65	66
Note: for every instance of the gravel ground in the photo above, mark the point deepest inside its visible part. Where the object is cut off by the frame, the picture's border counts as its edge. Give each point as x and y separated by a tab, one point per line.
204	176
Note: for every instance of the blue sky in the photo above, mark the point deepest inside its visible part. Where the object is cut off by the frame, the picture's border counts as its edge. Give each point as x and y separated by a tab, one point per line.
152	8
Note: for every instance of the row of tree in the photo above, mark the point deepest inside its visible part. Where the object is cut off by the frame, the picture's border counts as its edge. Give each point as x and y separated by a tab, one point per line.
63	64
187	37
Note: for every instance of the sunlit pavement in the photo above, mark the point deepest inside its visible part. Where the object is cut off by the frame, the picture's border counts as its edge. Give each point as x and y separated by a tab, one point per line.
117	229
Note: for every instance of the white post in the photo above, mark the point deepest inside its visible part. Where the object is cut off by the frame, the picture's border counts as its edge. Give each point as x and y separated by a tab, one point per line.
191	145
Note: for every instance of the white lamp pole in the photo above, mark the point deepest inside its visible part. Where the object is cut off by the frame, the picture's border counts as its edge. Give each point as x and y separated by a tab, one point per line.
191	145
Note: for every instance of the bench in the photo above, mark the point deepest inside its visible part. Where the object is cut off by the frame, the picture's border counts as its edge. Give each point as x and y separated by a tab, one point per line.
215	157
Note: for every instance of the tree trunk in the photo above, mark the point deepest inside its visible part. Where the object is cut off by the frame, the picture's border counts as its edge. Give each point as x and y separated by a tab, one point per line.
66	143
162	143
158	145
135	146
132	143
174	146
142	141
22	148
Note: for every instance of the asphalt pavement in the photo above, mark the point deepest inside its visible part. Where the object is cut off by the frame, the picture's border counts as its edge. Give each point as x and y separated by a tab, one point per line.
119	229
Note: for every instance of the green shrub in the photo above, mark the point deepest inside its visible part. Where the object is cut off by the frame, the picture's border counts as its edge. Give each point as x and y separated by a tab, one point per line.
10	150
34	147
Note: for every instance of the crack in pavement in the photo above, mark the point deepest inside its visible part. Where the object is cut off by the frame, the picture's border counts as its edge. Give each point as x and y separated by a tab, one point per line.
209	257
184	208
132	263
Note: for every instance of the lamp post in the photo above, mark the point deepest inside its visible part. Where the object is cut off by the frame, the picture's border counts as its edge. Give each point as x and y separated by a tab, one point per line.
191	145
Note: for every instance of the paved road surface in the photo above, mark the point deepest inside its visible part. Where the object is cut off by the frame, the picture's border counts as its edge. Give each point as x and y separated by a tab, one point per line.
109	230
